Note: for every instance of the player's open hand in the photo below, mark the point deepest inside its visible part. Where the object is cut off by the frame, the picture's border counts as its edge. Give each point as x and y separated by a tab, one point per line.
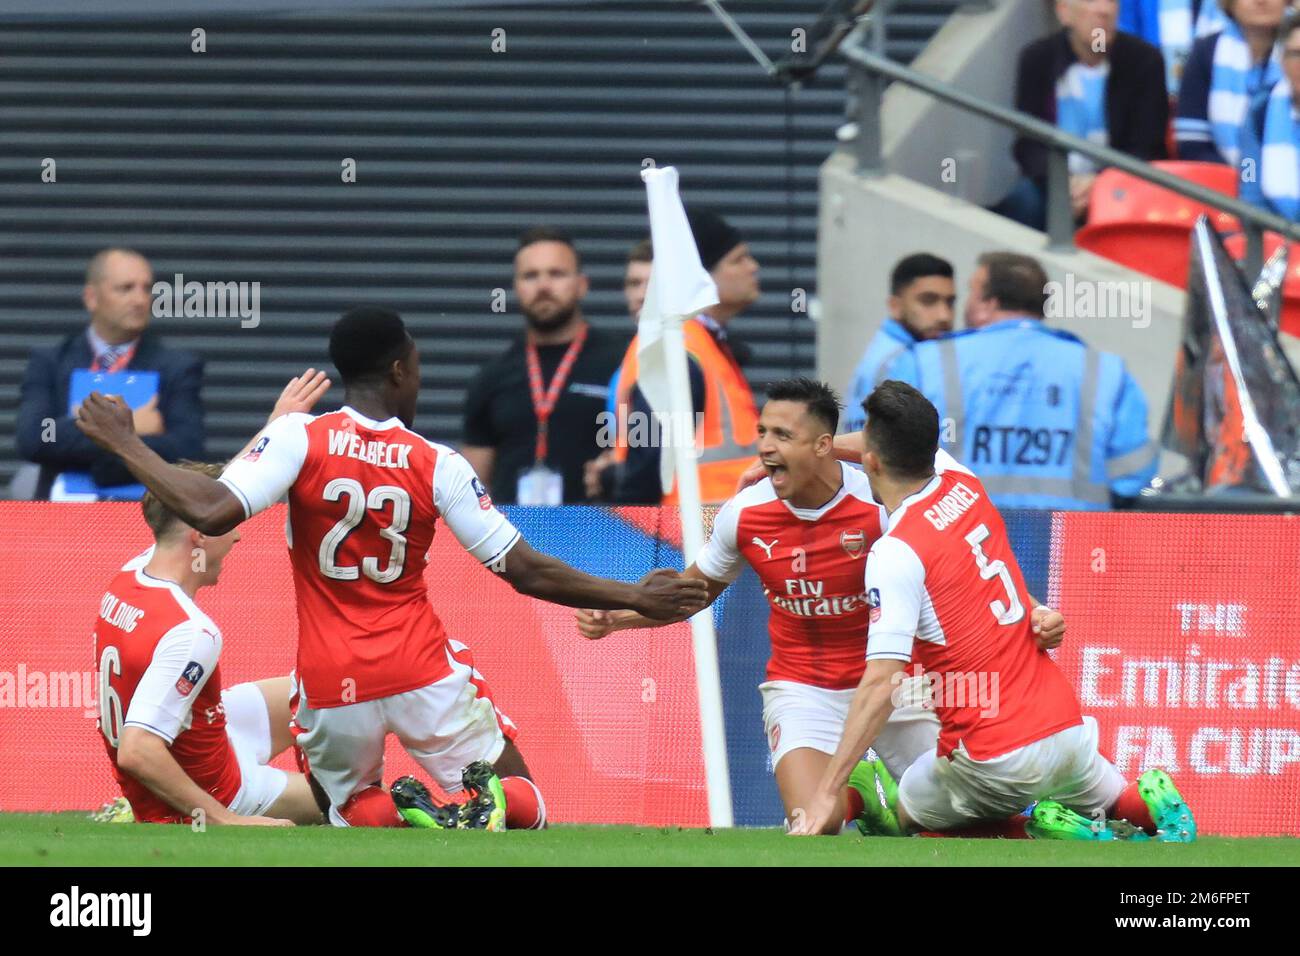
667	596
1049	627
106	420
301	394
812	820
593	625
751	475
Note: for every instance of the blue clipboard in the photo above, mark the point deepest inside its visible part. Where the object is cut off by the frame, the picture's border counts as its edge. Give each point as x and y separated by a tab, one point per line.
136	389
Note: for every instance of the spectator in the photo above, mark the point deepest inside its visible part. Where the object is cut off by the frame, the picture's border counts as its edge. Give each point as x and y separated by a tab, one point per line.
117	296
636	280
1172	25
1096	83
1044	420
1272	136
532	414
921	299
636	277
1225	73
723	402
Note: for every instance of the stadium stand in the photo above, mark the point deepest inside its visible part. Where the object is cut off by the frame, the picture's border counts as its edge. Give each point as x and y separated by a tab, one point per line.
226	166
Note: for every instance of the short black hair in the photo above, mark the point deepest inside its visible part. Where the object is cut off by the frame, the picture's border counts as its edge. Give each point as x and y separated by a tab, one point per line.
820	398
366	341
1017	281
903	429
919	265
547	234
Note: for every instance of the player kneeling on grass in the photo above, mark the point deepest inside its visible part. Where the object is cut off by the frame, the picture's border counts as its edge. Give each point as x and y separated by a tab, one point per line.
182	748
366	495
944	585
805	526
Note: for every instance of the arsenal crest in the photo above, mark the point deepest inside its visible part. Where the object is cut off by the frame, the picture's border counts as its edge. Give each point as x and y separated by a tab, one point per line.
853	542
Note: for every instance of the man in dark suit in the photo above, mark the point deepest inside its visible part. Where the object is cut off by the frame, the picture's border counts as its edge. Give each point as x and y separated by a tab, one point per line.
1094	82
117	295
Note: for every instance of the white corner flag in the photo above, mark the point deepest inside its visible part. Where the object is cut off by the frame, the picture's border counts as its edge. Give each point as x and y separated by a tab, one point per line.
680	288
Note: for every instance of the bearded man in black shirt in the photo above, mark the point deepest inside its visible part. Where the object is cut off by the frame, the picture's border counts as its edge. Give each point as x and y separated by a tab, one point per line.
533	414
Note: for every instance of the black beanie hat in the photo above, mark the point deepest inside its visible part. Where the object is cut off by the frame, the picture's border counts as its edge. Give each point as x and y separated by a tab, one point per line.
714	236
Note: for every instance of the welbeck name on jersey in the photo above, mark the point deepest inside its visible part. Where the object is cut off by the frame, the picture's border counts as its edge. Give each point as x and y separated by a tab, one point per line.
379	453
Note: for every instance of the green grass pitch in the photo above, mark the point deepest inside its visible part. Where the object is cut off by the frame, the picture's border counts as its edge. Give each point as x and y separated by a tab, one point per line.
68	839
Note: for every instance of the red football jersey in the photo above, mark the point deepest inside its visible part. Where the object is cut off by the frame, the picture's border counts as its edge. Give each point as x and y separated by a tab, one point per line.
156	654
810	563
944	584
364	498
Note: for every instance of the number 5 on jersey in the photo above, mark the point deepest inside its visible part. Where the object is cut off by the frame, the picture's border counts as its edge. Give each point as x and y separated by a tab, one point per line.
996	569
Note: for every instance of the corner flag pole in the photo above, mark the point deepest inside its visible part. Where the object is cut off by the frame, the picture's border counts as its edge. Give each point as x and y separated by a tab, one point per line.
680	287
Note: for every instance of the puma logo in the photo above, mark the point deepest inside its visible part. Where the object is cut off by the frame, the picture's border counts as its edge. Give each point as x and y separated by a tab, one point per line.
766	547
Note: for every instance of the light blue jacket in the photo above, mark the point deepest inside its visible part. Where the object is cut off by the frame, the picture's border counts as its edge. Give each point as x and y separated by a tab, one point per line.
1042	419
892	340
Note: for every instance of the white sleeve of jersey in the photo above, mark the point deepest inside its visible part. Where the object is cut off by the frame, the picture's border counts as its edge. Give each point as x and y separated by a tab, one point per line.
187	651
945	462
464	505
896	595
140	560
265	474
720	558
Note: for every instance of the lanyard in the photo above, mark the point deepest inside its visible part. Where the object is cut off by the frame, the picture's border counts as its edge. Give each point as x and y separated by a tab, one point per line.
120	363
544	404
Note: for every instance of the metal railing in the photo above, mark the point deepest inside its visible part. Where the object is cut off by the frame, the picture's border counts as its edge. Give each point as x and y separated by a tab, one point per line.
870	70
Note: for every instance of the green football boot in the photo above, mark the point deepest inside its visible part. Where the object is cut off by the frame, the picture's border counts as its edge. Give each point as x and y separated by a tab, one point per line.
1052	821
1173	817
416	806
115	811
872	781
1126	831
486	807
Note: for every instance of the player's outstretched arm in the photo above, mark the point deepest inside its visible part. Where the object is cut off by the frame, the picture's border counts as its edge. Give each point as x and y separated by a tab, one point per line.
594	624
146	757
662	594
200	501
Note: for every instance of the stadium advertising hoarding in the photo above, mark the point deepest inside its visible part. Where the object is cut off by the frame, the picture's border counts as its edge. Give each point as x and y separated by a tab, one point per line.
1182	642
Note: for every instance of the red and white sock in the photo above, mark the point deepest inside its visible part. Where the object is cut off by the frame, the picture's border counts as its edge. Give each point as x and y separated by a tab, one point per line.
1131	807
852	804
371	807
525	808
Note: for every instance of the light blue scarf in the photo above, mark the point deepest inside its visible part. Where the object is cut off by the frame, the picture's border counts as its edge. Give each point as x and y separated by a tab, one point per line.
1279	165
1177	33
1234	79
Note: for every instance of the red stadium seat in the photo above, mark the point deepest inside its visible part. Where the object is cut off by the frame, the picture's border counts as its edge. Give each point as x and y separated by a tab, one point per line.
1290	322
1158	249
1119	197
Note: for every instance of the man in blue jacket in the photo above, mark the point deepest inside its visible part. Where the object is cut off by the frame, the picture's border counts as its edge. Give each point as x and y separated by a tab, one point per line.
921	299
1044	420
118	296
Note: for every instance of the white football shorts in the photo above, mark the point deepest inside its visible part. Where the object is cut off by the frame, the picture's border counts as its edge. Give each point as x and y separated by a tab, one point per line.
249	728
942	793
444	726
801	715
